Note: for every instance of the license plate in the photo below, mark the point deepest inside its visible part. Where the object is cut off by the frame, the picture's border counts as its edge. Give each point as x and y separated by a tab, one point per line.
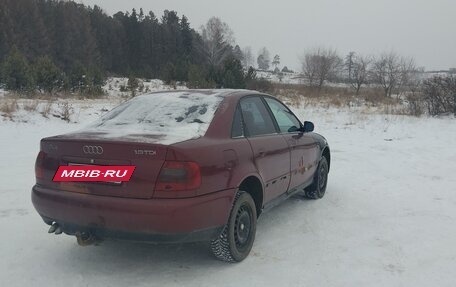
74	172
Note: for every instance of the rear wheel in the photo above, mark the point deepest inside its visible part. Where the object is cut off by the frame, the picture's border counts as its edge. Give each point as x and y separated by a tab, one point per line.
236	240
318	187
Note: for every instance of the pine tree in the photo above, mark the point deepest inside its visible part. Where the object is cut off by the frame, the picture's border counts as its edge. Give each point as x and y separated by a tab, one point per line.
16	72
187	37
197	78
233	74
85	44
168	74
48	76
237	53
276	61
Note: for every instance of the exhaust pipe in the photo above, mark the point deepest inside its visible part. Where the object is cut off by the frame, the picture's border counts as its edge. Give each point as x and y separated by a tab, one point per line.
83	238
54	227
86	238
58	231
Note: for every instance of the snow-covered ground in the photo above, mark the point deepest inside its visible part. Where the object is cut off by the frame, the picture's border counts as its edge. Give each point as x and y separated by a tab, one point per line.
284	78
116	86
388	218
293	78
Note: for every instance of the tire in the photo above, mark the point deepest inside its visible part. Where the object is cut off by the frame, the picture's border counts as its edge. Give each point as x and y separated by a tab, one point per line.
320	180
236	239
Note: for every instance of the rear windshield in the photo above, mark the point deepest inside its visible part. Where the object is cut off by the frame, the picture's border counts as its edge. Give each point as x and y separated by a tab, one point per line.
167	117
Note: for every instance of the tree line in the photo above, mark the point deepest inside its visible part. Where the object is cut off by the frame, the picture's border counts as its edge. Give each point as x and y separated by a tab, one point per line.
51	45
389	71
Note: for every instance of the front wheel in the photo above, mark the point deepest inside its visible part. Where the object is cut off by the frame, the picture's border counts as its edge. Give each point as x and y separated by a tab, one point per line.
236	240
318	187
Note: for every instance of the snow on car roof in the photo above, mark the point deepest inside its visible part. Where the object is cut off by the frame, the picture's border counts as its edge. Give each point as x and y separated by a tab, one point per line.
164	117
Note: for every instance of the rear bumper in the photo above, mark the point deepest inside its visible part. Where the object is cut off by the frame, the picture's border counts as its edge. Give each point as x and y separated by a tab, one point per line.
156	220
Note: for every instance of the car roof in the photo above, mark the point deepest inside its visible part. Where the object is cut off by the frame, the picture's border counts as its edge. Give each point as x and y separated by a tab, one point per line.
213	92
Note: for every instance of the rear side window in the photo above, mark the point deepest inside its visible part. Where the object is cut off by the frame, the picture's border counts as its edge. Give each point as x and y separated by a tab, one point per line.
256	117
285	119
237	129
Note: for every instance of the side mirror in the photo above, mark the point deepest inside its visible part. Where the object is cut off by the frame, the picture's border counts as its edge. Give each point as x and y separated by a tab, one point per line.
308	127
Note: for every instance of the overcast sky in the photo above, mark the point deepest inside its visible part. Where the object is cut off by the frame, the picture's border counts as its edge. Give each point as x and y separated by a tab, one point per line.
423	29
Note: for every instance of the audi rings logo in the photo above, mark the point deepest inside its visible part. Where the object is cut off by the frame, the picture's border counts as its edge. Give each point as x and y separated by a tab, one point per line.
92	149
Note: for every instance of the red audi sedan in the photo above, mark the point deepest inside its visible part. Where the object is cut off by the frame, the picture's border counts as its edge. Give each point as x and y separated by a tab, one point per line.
204	165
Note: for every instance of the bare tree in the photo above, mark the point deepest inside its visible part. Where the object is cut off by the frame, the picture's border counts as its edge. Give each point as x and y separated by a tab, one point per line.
309	68
385	72
320	65
359	74
217	40
414	92
410	79
247	57
439	94
349	63
392	72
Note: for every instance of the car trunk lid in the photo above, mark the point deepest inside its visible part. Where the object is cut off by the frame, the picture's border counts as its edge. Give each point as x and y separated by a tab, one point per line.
94	149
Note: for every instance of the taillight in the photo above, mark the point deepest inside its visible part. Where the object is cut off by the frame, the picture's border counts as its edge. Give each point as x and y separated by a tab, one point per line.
178	176
39	172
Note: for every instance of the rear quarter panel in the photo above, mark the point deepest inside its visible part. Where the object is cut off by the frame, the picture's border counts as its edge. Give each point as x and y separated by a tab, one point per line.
224	163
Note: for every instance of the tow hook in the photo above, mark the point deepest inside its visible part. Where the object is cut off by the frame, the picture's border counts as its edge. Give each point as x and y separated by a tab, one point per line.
86	238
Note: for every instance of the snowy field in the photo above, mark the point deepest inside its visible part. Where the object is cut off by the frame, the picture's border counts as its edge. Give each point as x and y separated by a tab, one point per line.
284	78
388	218
116	86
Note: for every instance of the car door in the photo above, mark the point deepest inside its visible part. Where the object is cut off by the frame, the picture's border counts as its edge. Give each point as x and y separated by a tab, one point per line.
304	149
271	153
